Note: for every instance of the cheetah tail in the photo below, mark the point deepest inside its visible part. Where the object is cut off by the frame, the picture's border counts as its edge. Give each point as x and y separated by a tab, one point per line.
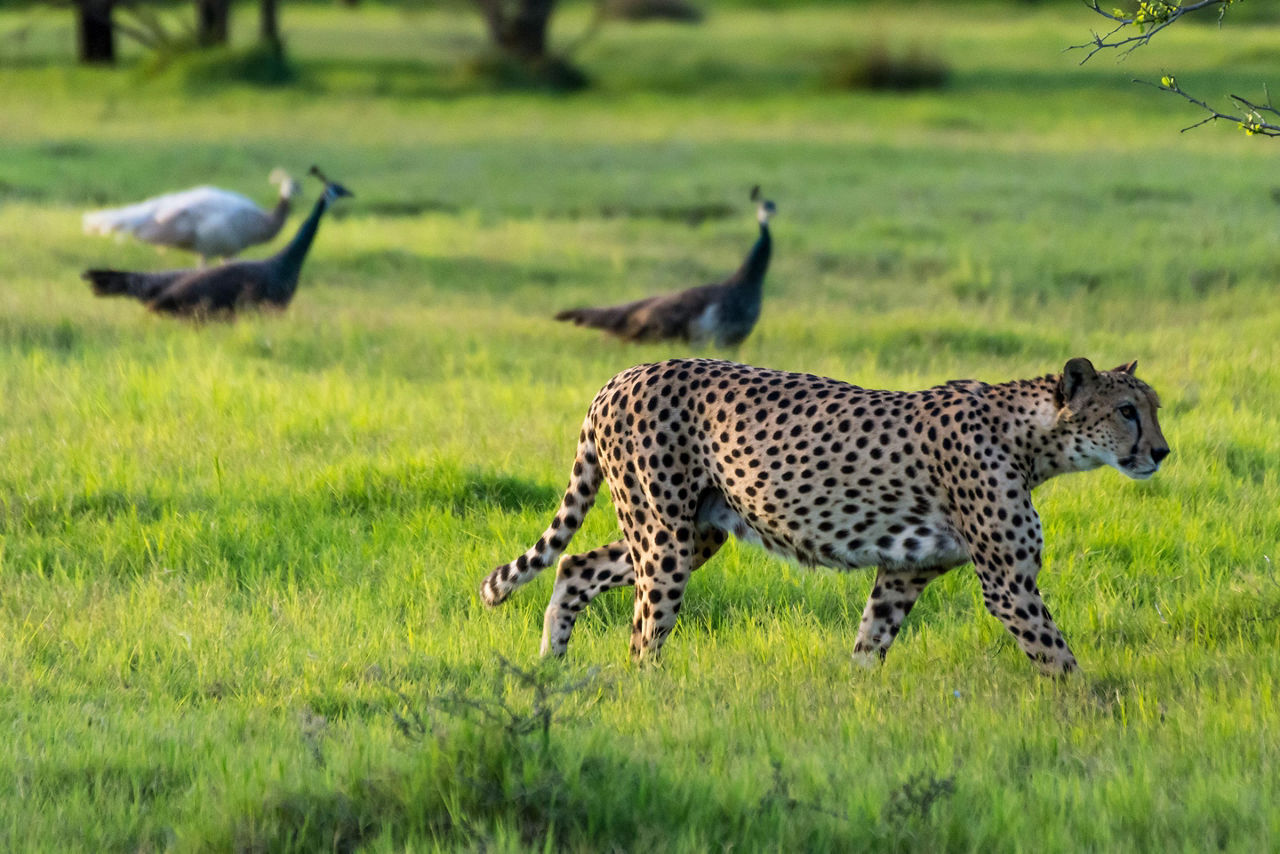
578	498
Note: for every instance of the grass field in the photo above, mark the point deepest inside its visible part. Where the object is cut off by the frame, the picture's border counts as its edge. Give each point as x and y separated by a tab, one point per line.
240	560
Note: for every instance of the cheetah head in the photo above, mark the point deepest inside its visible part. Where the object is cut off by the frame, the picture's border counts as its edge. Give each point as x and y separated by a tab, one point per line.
1109	418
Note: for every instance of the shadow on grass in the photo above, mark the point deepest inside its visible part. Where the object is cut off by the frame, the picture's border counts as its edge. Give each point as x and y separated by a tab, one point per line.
55	337
476	789
48	513
11	192
692	214
494	763
366	490
904	349
402	268
497	763
397	208
376	489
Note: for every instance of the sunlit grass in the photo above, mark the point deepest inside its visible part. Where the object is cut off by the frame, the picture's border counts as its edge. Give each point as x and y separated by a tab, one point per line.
234	553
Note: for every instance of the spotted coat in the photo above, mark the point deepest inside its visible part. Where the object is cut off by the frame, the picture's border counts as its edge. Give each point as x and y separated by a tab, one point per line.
830	474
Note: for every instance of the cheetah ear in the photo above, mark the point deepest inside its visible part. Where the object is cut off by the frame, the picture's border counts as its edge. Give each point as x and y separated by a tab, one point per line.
1077	375
1127	368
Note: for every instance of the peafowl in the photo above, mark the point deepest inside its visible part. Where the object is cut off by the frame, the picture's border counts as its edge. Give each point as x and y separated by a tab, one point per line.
724	313
226	288
205	220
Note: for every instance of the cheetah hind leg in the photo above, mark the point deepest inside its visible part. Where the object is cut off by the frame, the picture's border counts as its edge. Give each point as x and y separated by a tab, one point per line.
579	579
891	599
660	585
582	577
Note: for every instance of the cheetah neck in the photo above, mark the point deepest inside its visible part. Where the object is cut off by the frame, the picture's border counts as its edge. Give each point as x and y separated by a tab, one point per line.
1036	428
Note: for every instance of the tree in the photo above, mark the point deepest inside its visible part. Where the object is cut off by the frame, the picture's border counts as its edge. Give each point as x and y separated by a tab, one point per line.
213	19
519	27
99	21
518	32
269	27
95	31
1151	17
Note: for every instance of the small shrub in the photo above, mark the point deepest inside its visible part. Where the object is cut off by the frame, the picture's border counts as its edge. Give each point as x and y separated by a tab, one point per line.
915	798
498	71
876	68
678	11
259	65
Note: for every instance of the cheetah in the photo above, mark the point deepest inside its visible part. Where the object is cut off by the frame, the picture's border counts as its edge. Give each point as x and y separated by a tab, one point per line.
830	474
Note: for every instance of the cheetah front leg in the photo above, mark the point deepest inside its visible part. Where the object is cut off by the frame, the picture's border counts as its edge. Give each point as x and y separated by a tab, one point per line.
1006	548
1012	596
891	599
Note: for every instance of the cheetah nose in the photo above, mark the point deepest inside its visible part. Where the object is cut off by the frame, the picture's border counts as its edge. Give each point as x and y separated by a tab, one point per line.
1158	454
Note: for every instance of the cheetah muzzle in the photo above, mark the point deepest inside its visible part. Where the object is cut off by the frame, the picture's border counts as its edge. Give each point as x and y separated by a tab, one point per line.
914	483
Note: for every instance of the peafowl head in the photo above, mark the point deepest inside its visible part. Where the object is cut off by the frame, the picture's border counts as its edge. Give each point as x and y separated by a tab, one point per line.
332	190
765	209
288	187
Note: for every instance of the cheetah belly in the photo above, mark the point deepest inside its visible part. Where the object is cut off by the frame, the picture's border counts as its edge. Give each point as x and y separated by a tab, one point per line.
889	543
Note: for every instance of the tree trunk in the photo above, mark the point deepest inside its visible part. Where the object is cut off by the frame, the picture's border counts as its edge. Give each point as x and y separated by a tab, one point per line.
269	27
519	27
213	17
95	36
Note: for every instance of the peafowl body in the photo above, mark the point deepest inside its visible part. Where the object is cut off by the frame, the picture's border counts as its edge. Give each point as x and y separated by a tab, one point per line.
227	288
206	220
722	313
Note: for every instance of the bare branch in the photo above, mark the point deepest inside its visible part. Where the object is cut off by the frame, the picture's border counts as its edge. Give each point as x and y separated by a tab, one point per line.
1149	18
1255	119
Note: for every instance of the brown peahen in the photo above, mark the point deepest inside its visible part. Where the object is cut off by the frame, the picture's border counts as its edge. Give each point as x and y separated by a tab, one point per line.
723	313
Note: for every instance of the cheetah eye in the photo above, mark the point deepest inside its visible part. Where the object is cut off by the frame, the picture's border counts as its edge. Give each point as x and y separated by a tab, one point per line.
1128	411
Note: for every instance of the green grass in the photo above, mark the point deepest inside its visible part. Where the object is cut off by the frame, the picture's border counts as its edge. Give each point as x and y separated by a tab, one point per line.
239	559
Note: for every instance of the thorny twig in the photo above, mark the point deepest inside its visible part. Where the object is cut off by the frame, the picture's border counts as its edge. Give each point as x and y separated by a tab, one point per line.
495	709
917	796
778	794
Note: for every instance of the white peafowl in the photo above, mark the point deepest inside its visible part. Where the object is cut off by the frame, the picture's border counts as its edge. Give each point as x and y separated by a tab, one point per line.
227	288
723	313
206	220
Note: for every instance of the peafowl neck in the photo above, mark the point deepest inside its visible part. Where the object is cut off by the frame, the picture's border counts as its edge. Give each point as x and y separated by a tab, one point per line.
289	261
750	276
278	215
